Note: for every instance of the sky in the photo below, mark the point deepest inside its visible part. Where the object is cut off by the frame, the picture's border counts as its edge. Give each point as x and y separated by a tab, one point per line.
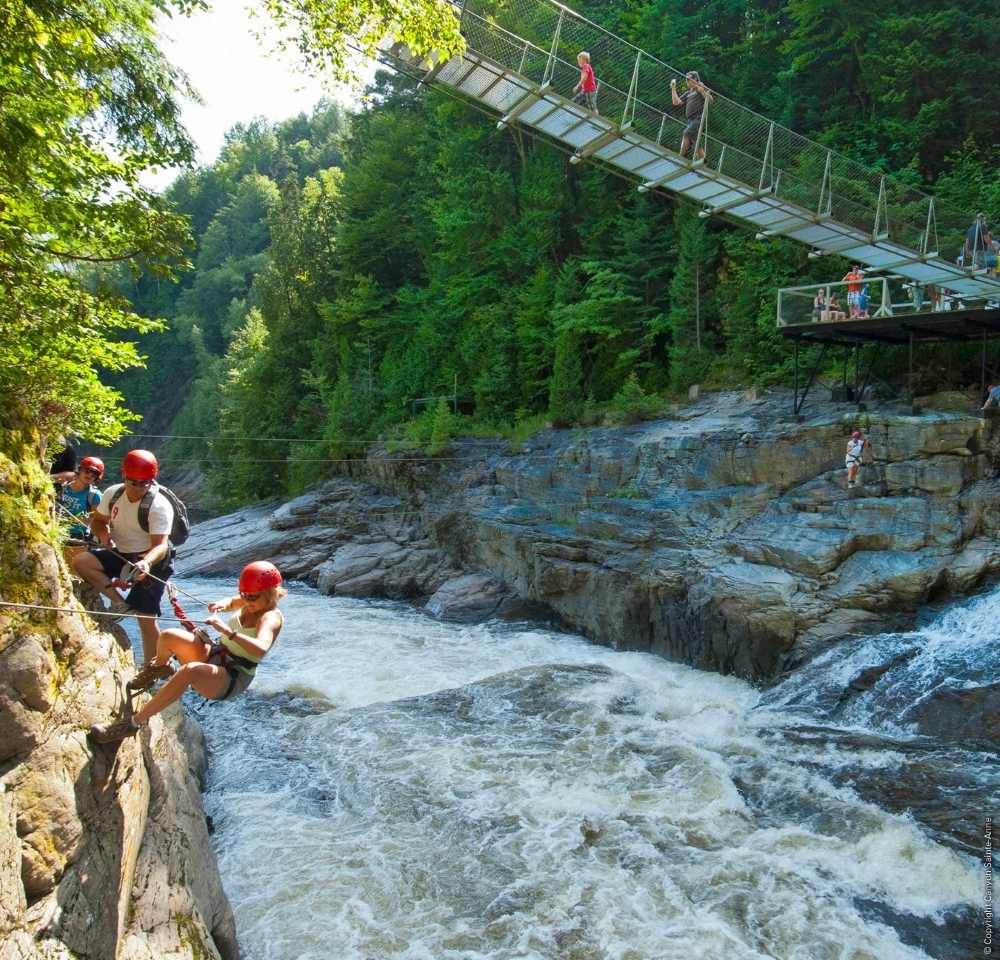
235	76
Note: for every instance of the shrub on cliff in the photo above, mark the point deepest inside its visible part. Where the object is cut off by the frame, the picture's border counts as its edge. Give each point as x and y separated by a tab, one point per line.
632	404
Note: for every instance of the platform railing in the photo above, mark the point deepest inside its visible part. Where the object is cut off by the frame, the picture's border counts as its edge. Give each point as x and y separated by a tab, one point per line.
888	296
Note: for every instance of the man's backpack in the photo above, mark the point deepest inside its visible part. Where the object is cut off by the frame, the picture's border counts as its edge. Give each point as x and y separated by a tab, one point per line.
181	528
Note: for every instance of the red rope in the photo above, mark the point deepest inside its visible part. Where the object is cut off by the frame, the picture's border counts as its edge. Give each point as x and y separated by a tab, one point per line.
181	615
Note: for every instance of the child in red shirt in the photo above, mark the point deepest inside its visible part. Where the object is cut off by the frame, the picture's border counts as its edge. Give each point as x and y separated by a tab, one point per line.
585	92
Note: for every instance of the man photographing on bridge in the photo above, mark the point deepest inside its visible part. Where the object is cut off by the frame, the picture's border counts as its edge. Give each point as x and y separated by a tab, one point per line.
694	99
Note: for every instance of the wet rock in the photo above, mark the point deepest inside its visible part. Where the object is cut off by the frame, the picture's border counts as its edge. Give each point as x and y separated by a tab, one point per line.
971	713
471	598
79	823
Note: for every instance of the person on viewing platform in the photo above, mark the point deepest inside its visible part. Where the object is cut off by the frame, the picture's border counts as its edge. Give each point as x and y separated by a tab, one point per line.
853	281
836	312
819	306
992	258
694	99
218	671
863	301
585	92
992	396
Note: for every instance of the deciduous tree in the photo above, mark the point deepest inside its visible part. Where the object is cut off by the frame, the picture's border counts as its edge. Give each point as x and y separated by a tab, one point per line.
87	104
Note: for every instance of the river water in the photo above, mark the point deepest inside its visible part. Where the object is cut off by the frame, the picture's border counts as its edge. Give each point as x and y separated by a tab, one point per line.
394	787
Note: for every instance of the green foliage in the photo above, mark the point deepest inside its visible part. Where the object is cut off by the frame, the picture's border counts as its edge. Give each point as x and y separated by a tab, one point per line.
87	103
349	266
25	506
694	312
632	404
327	35
524	428
441	427
353	407
566	389
248	461
431	432
754	272
909	91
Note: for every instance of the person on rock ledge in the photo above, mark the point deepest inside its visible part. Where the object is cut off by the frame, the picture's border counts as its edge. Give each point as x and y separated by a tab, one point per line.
218	671
122	537
855	448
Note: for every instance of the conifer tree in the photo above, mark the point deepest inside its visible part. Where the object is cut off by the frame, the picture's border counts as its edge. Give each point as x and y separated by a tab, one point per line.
566	390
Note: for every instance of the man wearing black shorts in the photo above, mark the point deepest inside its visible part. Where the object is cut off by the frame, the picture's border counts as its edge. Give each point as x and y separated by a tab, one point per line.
117	525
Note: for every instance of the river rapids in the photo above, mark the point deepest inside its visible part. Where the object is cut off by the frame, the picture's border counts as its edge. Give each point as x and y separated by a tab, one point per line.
395	787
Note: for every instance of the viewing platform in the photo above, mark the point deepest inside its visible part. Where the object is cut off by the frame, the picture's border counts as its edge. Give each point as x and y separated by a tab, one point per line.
900	315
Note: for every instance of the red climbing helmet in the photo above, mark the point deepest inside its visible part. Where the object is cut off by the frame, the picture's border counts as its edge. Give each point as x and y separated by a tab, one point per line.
93	463
258	577
139	465
856	435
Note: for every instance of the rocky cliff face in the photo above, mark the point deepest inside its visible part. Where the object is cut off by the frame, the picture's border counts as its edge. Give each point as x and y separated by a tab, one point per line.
104	851
724	536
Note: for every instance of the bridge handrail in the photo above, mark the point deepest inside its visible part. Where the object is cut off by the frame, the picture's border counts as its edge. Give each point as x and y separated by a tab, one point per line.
793	167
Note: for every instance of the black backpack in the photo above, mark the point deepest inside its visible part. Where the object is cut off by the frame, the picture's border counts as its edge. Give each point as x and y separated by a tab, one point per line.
181	528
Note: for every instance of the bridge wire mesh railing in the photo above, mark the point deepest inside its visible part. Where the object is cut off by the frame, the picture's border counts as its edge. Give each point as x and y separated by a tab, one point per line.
539	39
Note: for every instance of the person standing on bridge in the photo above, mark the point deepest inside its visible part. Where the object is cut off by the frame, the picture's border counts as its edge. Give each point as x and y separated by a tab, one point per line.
694	99
977	242
585	92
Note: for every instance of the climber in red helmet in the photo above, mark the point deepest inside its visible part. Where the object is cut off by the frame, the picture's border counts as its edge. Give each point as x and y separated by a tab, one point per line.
131	531
80	496
218	671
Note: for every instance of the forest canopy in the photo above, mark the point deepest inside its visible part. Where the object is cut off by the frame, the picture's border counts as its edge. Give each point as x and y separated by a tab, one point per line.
352	268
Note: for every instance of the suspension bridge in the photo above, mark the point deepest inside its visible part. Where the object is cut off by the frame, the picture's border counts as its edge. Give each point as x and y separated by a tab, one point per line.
520	63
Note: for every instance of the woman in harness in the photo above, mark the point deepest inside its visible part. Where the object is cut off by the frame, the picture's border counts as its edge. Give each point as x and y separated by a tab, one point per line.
855	449
218	671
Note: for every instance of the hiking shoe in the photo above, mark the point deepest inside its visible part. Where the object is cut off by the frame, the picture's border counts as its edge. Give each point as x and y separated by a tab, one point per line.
118	730
148	675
